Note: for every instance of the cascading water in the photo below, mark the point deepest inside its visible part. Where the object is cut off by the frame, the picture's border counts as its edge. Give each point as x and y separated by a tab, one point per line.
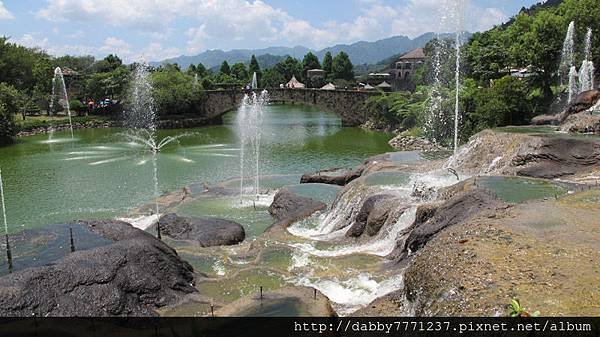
60	96
249	122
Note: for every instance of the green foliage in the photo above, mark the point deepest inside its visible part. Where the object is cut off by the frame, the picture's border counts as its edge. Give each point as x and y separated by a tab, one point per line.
289	67
516	310
398	110
7	125
225	69
108	64
342	68
76	106
174	92
239	71
9	98
310	61
271	78
328	63
254	67
112	84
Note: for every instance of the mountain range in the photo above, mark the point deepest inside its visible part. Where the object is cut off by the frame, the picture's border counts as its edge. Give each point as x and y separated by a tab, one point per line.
361	52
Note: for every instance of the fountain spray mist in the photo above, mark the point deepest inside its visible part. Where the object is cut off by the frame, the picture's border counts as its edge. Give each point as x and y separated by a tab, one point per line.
249	124
8	252
460	6
59	88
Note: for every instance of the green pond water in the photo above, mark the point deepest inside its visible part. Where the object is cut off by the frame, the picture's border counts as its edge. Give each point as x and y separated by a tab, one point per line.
519	189
50	179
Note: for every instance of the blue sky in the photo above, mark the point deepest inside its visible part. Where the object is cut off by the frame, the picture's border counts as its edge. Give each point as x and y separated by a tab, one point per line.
157	29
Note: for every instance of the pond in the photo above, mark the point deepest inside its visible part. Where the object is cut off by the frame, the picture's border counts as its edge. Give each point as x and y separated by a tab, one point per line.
50	179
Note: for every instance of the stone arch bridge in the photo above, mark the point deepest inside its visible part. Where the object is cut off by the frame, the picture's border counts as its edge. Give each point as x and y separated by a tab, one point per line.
347	104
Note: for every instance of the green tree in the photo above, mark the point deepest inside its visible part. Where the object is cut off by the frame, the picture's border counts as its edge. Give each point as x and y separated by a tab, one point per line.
239	71
328	63
271	78
174	92
310	61
342	68
225	69
254	67
7	125
289	67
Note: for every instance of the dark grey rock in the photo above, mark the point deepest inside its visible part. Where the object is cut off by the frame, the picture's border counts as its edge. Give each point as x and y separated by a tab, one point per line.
361	219
433	218
133	276
289	207
337	176
207	232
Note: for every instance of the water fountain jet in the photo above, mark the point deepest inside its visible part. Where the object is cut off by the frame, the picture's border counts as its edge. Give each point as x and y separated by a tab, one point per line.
249	122
8	251
59	87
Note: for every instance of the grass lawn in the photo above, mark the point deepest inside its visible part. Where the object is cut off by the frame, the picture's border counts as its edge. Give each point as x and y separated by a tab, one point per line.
32	122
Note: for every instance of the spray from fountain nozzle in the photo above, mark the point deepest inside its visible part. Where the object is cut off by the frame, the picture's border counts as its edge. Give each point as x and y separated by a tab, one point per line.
59	88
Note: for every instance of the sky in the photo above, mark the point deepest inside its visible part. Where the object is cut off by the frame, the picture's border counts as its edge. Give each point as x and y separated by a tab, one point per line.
153	30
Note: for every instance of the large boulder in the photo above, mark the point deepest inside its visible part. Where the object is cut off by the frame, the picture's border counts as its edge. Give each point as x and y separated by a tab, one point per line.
339	176
433	218
583	122
132	276
372	208
583	102
207	232
288	207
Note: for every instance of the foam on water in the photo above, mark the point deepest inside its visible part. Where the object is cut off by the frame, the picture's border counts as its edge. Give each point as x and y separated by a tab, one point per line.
354	293
142	222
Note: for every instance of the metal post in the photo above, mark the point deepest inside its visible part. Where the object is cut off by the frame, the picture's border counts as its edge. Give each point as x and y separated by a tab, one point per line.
261	293
315	293
72	242
158	230
9	255
212	310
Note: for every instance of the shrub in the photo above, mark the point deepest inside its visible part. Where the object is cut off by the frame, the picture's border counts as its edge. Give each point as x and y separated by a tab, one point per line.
7	125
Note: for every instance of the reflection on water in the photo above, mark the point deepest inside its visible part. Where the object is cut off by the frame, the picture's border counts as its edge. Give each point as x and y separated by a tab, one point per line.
100	175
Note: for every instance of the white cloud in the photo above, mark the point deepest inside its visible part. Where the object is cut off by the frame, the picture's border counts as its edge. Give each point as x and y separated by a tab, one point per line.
5	14
228	24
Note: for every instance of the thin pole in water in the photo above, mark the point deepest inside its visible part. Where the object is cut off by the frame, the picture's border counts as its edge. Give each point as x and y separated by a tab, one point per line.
261	293
72	241
8	252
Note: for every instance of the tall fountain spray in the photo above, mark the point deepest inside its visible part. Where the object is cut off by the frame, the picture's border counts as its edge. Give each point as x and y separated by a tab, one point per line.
586	72
588	45
254	81
59	93
249	122
567	58
573	84
459	12
140	118
8	252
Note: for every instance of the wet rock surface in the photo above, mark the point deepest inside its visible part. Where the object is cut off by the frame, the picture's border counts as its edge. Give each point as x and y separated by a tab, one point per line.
584	101
133	276
583	122
410	143
371	216
549	157
289	207
207	232
433	218
338	176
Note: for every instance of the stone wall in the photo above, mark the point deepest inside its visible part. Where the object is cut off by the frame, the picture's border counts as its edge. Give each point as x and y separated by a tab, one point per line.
348	105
